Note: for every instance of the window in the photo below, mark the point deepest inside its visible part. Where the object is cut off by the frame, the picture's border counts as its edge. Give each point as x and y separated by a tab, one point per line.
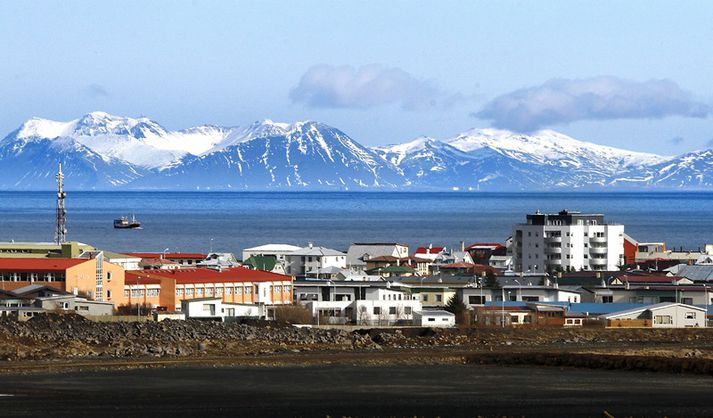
199	292
687	301
663	319
239	290
108	294
179	292
476	300
431	319
392	310
286	289
108	276
607	299
690	315
126	293
377	310
228	290
514	319
439	298
408	310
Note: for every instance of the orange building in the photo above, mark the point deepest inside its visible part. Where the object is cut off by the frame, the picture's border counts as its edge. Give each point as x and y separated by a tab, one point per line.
94	278
166	288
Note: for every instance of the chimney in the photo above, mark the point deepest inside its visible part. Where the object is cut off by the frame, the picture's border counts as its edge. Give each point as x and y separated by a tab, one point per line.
310	245
462	246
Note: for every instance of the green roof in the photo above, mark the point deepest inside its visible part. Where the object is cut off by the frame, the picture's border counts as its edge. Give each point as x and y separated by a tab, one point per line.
261	262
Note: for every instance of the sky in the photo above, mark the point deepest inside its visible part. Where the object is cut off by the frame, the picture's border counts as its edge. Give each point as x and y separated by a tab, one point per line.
632	74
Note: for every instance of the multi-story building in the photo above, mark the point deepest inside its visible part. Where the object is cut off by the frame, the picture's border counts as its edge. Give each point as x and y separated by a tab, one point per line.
359	254
94	278
308	261
167	288
567	241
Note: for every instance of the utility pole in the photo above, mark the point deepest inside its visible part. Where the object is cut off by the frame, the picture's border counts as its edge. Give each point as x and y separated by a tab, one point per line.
60	232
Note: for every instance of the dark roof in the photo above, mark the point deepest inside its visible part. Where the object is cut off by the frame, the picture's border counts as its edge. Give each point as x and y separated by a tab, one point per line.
175	256
261	262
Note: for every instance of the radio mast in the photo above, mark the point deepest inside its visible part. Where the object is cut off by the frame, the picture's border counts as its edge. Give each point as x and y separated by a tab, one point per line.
60	233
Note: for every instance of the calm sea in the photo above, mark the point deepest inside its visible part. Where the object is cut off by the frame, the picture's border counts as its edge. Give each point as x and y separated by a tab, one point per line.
233	221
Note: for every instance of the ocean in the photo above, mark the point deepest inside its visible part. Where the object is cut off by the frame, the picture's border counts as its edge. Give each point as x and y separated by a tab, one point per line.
231	221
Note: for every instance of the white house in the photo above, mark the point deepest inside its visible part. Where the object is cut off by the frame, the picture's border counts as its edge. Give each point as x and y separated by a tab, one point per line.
434	318
309	260
567	241
660	315
275	250
359	253
216	309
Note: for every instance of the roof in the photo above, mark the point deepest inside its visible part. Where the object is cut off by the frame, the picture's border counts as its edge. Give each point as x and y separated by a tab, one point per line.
429	250
39	264
649	278
134	277
156	261
261	262
356	252
654	307
330	270
436	312
206	275
485	246
394	269
695	272
317	251
274	248
32	288
178	256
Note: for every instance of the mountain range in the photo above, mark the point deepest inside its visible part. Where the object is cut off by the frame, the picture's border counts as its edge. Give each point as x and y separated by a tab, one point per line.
100	151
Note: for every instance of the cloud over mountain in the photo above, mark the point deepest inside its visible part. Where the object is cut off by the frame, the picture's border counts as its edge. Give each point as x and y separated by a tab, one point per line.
365	87
568	100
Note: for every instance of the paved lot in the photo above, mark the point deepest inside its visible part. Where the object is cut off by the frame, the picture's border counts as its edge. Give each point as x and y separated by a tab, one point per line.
339	390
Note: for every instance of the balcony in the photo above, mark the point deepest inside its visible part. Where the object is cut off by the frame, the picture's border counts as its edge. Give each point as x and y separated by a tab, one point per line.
553	239
598	240
555	262
553	250
597	250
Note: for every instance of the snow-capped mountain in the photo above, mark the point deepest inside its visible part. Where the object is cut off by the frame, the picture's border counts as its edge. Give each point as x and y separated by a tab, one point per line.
103	151
693	170
141	142
267	155
32	165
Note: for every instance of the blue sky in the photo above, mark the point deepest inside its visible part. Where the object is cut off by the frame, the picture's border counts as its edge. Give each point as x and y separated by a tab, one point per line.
627	74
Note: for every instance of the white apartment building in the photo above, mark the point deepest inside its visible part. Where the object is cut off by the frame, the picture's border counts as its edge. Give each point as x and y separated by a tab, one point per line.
567	241
309	260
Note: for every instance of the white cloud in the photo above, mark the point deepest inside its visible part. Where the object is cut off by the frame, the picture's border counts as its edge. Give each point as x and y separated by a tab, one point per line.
563	101
367	86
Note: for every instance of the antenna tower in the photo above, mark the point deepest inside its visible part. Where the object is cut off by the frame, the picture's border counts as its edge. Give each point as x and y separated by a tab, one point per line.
60	232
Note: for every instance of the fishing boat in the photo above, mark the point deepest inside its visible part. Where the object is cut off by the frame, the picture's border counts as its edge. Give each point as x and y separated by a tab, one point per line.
125	223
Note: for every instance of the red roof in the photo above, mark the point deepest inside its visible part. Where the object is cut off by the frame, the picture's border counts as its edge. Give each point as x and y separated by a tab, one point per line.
184	256
135	277
39	264
426	250
206	275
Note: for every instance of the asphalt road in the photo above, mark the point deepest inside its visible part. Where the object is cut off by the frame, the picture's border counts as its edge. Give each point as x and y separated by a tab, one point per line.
369	391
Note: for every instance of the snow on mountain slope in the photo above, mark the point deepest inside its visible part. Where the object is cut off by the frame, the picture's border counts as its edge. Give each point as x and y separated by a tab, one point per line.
32	165
552	148
693	170
140	141
303	155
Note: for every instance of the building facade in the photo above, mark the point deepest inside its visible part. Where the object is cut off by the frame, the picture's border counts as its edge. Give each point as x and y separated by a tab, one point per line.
567	241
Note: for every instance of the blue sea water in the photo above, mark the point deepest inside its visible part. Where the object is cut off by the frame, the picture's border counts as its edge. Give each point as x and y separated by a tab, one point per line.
233	221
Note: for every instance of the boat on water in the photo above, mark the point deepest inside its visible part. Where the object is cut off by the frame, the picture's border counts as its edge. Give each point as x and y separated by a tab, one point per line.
125	223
